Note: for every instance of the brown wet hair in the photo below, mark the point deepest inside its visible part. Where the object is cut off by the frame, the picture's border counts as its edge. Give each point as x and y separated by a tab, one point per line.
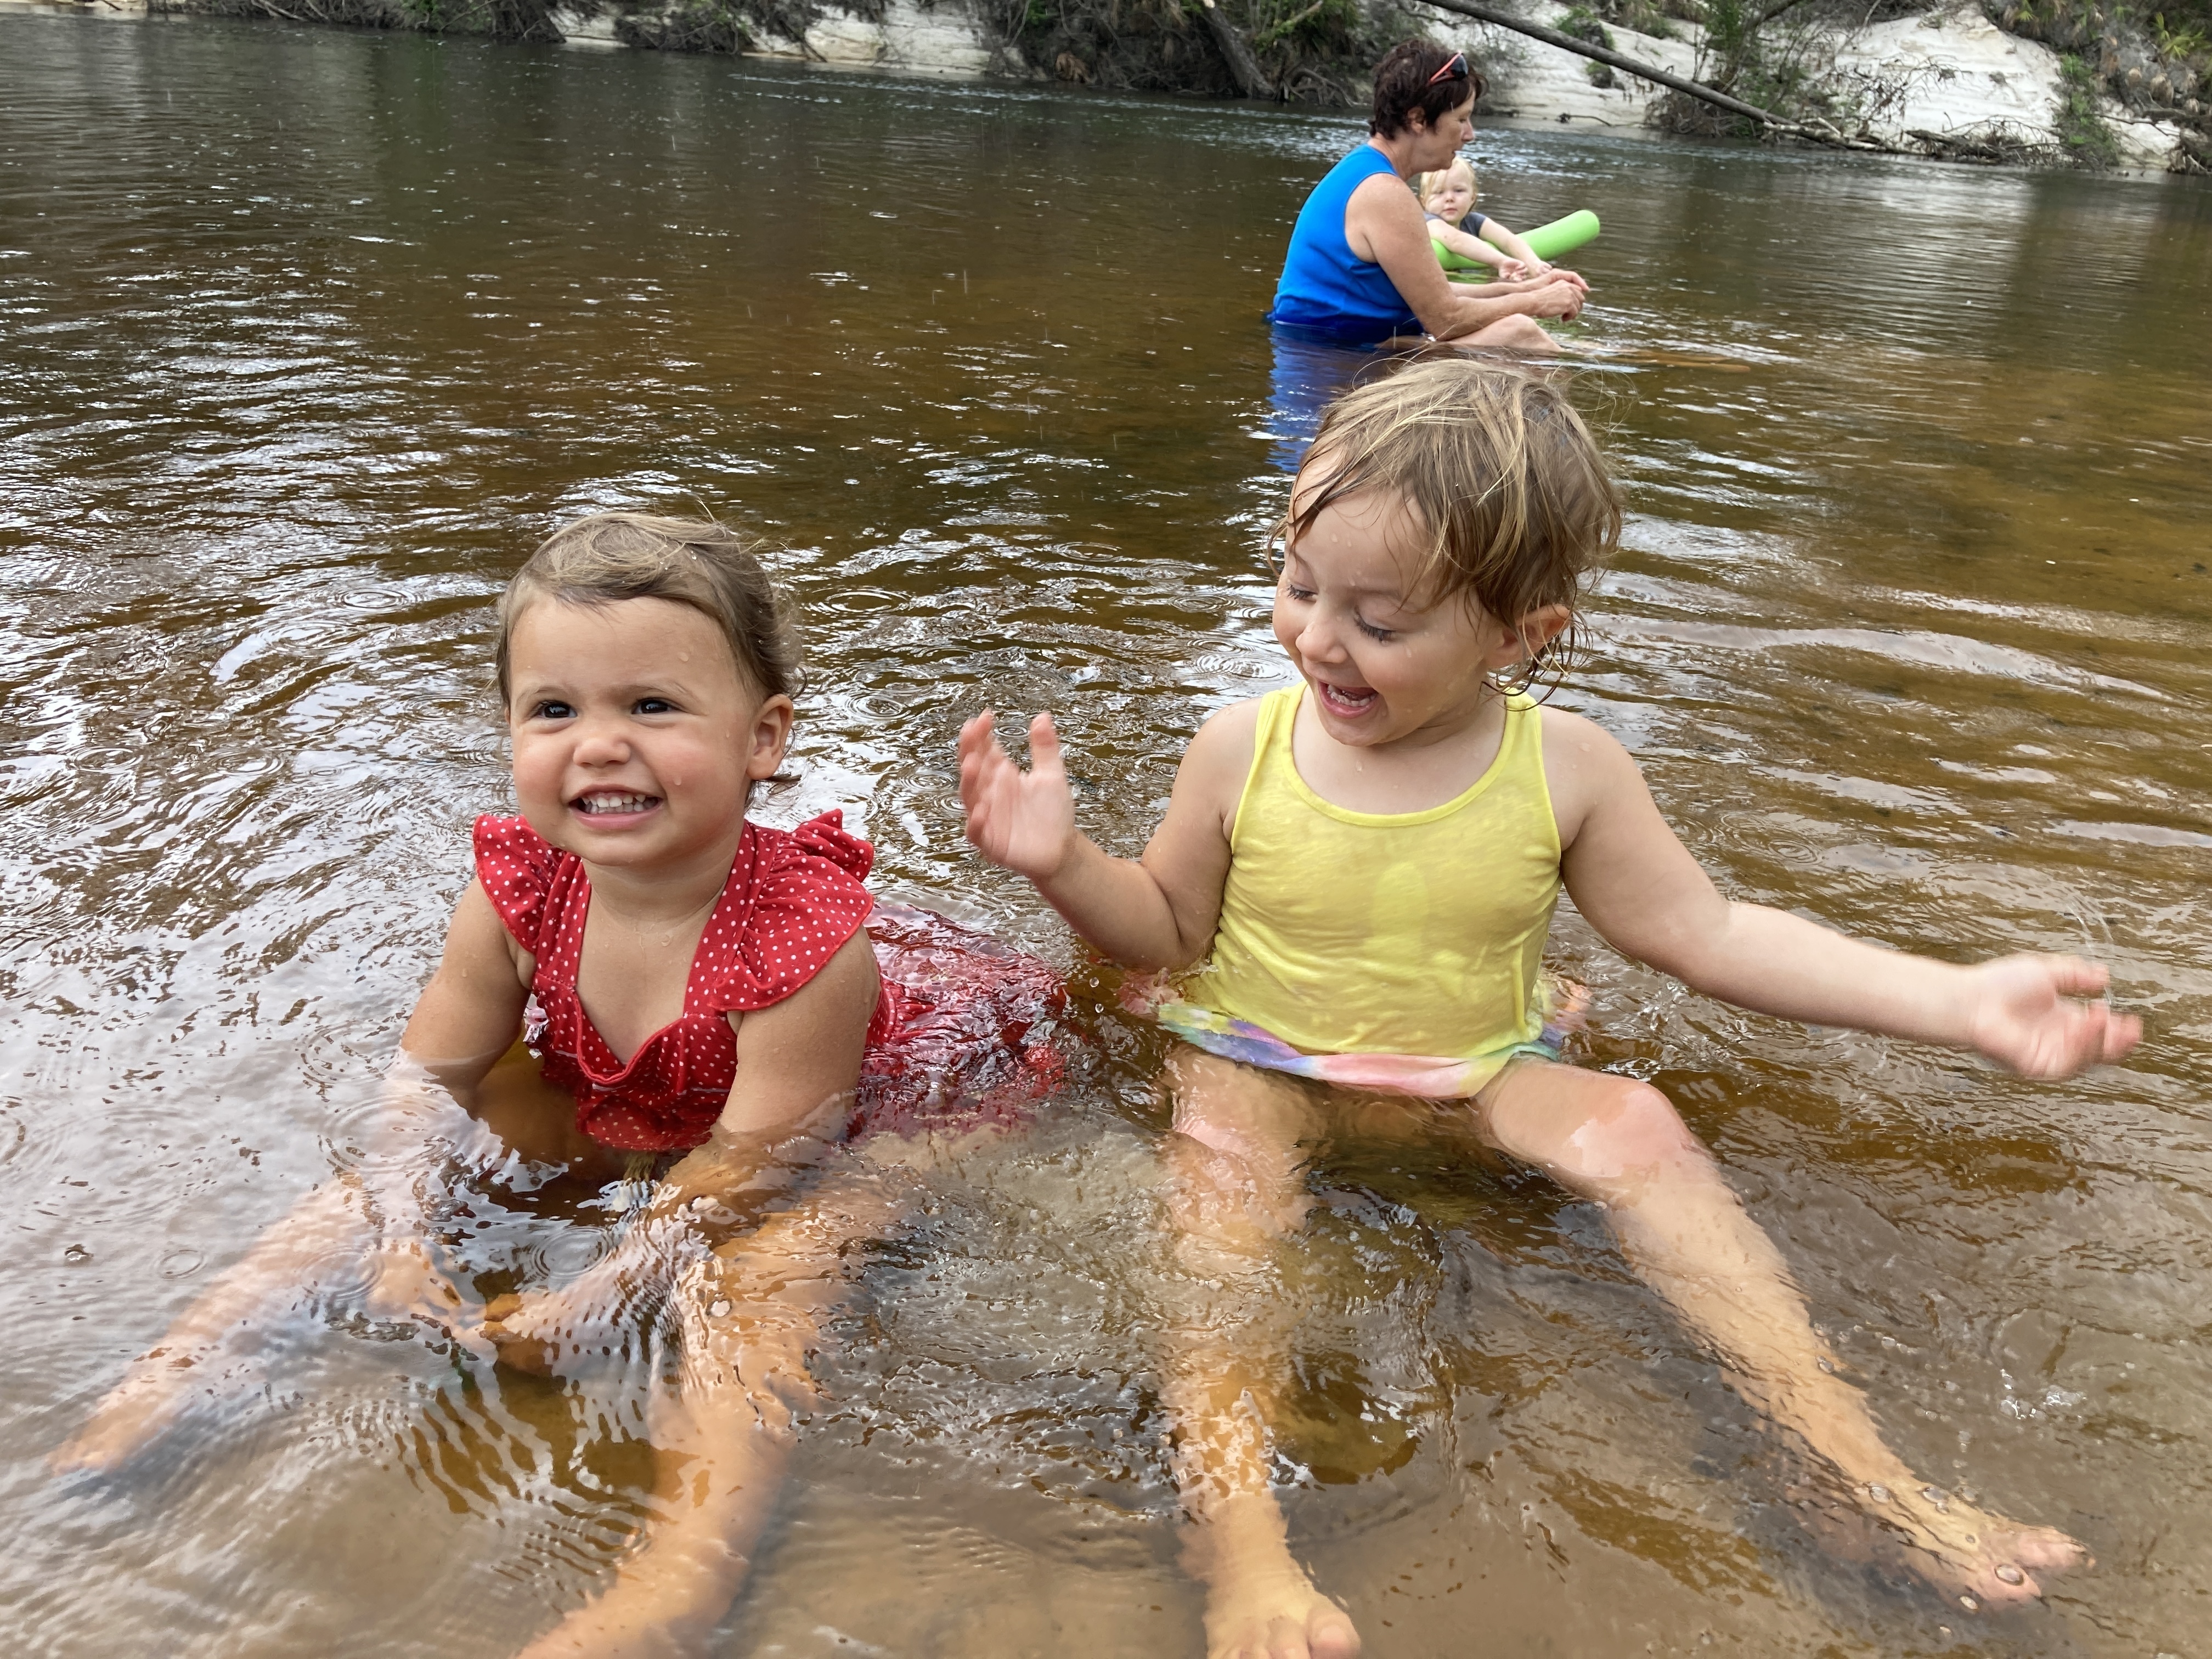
1402	86
1499	469
714	569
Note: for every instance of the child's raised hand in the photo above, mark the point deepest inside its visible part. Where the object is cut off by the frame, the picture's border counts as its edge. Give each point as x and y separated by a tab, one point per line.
1021	821
2046	1016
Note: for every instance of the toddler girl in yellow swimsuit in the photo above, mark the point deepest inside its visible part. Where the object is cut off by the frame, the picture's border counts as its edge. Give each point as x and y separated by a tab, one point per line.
1363	868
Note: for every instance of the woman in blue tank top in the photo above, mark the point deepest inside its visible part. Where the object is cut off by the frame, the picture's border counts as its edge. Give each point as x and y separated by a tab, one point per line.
1359	268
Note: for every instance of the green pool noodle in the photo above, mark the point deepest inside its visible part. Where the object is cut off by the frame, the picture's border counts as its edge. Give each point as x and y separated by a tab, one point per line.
1547	242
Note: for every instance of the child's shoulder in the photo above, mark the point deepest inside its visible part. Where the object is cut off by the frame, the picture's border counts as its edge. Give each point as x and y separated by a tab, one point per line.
1572	739
1231	730
1220	752
1585	766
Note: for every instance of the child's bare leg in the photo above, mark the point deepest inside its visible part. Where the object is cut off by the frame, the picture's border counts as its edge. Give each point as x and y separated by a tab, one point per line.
213	1347
750	1314
1621	1143
1236	1188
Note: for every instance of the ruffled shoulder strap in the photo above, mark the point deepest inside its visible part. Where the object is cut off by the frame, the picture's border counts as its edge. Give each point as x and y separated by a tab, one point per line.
804	900
520	871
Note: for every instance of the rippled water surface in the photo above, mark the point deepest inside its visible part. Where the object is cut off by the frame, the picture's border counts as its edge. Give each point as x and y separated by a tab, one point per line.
306	336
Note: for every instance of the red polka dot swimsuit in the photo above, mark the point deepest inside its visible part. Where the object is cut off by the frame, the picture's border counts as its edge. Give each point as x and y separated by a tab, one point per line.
961	1034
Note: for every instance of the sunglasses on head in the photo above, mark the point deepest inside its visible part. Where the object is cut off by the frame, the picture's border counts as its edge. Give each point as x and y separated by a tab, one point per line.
1454	69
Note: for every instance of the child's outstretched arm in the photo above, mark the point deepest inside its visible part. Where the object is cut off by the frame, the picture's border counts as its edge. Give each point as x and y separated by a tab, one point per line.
1637	885
1513	247
1468	245
1159	911
466	1019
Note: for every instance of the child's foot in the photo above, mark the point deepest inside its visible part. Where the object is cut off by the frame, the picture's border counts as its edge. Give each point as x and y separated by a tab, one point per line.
1275	1613
1973	1558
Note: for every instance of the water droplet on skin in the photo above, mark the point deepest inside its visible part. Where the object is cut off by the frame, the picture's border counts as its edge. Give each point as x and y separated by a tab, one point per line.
718	1310
1936	1496
1826	1364
2011	1574
1970	1604
1878	1492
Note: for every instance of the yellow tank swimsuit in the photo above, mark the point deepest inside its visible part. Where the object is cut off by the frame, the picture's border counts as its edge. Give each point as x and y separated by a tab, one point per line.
1400	950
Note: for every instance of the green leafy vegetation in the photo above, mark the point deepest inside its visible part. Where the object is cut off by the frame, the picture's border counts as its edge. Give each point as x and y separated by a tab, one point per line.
2081	130
1318	52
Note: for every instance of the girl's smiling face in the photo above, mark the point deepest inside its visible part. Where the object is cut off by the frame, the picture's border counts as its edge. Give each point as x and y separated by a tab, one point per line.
1452	199
1385	664
637	739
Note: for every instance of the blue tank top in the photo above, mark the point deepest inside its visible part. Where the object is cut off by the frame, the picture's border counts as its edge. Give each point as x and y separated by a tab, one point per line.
1327	290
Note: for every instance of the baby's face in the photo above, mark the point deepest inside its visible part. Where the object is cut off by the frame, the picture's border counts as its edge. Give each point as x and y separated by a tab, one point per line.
636	737
1452	199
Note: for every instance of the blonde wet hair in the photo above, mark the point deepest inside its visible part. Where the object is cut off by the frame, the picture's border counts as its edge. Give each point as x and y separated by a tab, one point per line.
1428	184
1507	483
714	569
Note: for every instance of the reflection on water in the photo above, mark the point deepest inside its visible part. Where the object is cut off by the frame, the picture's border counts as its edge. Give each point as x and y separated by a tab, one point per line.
308	335
1305	377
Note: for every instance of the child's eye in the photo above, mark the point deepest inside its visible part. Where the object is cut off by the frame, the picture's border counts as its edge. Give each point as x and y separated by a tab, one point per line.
1375	633
654	706
552	709
1293	591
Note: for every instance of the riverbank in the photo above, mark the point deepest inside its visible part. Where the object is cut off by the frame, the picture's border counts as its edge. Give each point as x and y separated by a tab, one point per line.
1947	83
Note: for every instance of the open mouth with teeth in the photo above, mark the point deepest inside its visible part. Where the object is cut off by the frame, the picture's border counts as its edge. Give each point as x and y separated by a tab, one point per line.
613	803
1349	703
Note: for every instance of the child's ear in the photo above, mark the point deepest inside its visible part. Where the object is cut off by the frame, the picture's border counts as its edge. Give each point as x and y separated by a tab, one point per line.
1541	627
771	733
1519	643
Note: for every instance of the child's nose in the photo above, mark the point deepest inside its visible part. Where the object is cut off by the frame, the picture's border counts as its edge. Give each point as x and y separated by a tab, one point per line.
601	744
1320	642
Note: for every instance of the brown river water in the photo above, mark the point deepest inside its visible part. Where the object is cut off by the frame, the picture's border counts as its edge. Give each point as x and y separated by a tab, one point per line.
306	336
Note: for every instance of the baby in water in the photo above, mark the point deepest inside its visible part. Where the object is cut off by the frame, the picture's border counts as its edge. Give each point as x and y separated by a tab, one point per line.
1448	198
717	1009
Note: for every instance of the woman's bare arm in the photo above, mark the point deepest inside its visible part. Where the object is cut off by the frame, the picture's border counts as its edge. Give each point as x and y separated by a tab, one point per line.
1383	224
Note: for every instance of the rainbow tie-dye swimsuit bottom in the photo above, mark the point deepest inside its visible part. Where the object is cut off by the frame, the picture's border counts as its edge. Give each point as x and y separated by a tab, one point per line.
1432	1076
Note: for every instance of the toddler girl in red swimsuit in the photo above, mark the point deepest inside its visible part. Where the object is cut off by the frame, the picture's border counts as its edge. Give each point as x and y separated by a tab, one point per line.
704	993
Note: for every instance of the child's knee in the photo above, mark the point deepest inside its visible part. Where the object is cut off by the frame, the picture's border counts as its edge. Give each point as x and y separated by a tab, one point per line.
1630	1129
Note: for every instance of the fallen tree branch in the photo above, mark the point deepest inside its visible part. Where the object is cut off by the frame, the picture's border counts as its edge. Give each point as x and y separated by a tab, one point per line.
1822	133
1282	30
1243	67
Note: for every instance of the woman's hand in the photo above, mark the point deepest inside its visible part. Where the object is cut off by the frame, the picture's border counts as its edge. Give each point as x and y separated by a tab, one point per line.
2046	1016
1555	297
1021	821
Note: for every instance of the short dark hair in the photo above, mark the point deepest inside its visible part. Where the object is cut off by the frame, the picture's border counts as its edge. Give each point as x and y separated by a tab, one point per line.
1404	82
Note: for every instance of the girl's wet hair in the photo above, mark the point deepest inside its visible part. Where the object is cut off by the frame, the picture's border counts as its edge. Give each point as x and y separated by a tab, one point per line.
1505	481
713	568
1426	184
1404	81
